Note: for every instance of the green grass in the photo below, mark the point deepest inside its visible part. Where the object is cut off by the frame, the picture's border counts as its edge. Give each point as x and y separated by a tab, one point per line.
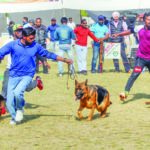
50	116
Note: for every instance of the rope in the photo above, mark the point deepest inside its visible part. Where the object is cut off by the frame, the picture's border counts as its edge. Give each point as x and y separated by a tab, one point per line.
71	74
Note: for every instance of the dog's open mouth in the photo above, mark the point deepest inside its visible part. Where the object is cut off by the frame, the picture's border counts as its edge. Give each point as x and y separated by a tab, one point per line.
79	96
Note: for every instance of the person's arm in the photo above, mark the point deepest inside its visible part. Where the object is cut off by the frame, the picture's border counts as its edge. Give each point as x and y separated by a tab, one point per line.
93	36
72	35
124	33
56	35
76	32
45	53
6	49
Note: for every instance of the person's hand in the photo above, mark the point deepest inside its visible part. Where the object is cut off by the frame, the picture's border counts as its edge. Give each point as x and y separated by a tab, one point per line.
101	40
47	41
68	61
114	35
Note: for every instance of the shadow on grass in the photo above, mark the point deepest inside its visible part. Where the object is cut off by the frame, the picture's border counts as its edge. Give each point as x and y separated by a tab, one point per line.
138	96
34	106
95	117
28	118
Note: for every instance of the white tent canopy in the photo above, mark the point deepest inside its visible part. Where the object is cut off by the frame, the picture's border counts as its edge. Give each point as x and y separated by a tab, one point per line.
30	6
107	5
95	5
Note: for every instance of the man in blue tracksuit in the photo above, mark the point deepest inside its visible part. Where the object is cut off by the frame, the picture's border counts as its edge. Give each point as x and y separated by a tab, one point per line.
23	54
51	30
64	34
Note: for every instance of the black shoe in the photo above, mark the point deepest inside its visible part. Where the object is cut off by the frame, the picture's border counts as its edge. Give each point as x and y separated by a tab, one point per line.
84	72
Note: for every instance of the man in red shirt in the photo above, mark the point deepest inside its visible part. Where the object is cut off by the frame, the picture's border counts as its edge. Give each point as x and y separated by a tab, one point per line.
82	32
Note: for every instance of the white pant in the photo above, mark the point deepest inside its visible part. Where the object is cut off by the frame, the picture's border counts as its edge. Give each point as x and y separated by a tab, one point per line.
81	52
52	46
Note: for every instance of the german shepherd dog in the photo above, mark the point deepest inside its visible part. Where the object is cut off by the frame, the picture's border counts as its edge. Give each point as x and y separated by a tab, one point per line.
2	105
91	97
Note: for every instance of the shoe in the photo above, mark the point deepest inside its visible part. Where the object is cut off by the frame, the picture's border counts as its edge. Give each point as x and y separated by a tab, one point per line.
84	72
128	72
39	83
60	75
123	96
13	122
19	116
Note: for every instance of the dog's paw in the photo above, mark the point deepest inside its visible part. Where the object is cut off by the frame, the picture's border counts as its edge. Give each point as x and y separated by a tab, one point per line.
89	119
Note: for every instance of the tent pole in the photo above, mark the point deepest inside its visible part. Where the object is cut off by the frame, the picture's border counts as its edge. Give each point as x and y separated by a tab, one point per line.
63	9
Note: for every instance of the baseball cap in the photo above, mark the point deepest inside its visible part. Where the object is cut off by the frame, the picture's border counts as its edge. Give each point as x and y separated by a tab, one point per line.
100	17
17	27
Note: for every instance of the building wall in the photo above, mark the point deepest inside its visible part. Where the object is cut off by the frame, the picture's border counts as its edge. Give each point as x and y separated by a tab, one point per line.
45	15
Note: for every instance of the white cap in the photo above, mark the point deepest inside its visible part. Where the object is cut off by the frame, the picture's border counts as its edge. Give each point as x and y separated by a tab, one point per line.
114	14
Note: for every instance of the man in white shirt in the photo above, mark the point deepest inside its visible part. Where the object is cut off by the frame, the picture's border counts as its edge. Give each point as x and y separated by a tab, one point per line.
71	24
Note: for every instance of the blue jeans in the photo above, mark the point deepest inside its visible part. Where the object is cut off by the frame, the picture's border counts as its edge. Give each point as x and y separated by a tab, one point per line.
64	48
30	87
15	93
124	59
96	52
139	65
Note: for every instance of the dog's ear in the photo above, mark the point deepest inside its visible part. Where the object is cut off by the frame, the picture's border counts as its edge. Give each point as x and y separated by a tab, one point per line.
86	81
76	82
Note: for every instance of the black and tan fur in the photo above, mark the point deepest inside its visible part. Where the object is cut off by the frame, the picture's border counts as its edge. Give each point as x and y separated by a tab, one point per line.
91	97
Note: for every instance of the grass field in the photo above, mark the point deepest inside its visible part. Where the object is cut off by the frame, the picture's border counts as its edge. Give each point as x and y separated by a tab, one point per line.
50	116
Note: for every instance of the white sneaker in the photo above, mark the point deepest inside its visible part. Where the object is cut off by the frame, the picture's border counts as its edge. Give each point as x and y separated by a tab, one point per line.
19	115
60	75
12	122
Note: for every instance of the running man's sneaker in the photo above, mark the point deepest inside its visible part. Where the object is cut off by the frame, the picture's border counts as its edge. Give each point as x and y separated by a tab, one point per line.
39	83
19	116
123	95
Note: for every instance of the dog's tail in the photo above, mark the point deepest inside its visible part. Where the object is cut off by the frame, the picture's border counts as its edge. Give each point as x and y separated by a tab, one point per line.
109	99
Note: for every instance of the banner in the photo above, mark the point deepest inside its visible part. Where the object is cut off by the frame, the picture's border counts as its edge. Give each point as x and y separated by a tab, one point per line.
112	51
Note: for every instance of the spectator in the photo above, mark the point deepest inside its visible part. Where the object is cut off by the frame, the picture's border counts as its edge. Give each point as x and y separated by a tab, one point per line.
10	28
51	29
70	23
115	27
100	31
82	32
41	38
31	23
25	22
64	35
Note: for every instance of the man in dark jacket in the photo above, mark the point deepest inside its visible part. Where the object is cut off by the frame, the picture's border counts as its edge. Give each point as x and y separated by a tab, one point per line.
117	26
41	38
